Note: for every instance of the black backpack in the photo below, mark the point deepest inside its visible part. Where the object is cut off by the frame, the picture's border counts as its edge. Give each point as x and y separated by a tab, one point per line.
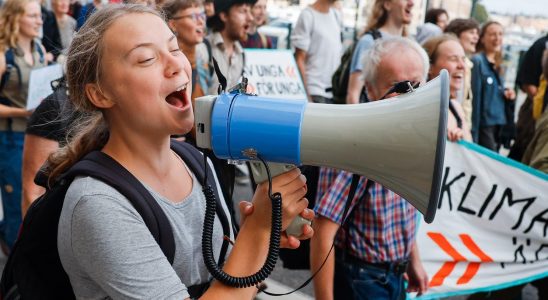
34	270
339	80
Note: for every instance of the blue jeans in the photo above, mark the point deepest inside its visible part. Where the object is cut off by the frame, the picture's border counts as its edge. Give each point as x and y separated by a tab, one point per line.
371	282
11	160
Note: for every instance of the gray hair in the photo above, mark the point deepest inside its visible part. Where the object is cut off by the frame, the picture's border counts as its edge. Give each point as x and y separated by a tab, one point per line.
372	58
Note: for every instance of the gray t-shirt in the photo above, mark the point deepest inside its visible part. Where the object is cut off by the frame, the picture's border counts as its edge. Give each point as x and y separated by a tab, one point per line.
108	252
319	35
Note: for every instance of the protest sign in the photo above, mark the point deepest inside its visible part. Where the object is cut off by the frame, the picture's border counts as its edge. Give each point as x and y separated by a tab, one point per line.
490	229
40	84
274	74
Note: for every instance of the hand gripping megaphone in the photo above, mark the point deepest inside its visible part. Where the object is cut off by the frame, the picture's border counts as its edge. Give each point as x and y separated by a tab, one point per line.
398	142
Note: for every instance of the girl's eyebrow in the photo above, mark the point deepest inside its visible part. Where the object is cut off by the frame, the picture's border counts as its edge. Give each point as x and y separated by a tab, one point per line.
147	45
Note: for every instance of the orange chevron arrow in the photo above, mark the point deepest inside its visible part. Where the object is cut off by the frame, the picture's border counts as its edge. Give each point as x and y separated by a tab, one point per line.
447	268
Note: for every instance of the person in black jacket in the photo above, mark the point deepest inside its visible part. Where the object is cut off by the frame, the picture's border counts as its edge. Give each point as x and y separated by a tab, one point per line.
51	38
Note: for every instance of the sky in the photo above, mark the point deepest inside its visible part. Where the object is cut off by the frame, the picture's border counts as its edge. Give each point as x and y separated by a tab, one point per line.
528	7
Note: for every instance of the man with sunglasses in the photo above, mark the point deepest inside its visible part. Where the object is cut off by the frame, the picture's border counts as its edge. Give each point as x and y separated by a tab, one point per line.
376	245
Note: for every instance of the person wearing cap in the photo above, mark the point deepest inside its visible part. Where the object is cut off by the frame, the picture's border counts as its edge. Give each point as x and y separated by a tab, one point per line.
318	48
228	26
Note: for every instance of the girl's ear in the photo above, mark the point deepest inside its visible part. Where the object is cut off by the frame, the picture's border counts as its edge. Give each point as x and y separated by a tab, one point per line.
97	96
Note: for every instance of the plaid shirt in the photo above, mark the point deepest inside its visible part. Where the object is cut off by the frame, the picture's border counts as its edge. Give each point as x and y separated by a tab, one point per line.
381	227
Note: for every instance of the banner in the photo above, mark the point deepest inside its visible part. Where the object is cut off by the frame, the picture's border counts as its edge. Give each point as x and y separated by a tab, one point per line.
274	74
490	229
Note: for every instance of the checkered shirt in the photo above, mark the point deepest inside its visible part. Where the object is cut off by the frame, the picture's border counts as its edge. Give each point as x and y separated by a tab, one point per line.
381	227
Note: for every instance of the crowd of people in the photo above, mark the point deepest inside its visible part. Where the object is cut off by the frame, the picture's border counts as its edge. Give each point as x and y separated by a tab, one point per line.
133	71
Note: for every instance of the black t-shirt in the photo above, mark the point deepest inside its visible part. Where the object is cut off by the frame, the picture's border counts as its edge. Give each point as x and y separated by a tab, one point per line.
51	119
531	67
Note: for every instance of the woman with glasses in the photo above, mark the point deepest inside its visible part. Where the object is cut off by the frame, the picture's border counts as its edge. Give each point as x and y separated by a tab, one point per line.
20	53
445	52
186	18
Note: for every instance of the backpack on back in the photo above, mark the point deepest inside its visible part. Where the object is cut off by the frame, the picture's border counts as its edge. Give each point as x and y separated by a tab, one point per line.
341	77
34	269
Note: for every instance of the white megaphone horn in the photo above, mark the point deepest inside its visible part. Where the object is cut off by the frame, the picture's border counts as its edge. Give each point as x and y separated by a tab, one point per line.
398	142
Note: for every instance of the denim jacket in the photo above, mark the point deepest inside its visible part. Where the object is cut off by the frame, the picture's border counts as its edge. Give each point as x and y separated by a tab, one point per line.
488	101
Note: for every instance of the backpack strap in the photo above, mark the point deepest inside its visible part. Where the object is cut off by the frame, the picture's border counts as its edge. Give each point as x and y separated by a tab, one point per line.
195	161
40	51
375	33
455	114
194	78
243	63
10	65
210	56
103	167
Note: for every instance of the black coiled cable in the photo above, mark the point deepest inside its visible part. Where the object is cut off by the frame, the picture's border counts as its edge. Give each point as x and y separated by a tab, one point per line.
207	235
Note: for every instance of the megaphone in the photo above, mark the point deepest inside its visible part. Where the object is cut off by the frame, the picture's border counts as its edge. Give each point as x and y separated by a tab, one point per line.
398	142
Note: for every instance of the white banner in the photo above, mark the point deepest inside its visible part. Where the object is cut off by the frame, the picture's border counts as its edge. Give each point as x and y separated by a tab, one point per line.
274	74
490	229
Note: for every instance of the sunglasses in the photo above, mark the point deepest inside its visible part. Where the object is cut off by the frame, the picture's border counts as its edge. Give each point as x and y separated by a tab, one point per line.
402	87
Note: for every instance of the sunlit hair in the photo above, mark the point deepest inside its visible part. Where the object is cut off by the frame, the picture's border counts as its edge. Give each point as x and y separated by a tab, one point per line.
432	45
10	14
84	66
172	7
392	47
379	16
481	46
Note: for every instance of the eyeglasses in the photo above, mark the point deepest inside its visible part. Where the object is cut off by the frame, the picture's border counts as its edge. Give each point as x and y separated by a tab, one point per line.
34	16
402	87
195	16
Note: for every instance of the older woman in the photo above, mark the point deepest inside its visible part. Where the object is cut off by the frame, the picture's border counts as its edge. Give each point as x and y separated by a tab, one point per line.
445	52
20	24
